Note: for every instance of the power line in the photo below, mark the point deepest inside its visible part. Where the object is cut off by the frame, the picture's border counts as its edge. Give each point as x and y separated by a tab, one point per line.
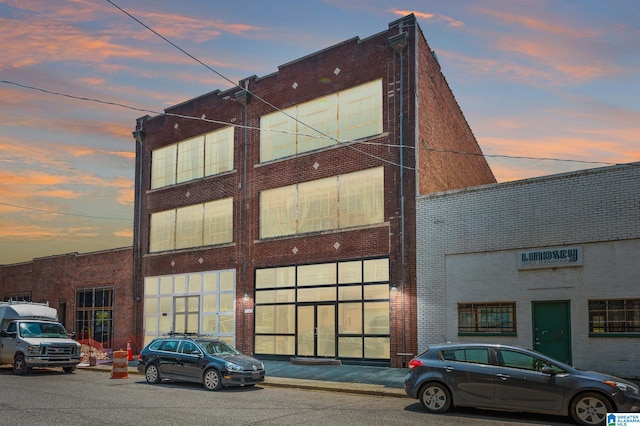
65	214
247	90
425	146
428	148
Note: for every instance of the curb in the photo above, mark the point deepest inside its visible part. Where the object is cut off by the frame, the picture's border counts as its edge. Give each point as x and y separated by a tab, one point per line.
318	385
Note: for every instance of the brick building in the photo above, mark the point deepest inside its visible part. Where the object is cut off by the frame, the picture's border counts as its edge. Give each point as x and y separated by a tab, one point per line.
280	215
93	292
548	263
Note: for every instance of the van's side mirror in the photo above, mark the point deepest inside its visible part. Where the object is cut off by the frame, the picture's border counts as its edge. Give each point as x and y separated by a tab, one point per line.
5	333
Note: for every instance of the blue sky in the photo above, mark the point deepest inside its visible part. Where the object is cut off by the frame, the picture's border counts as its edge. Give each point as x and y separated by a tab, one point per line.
534	78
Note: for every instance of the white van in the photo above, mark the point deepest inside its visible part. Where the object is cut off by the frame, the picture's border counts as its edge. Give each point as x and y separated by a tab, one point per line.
31	336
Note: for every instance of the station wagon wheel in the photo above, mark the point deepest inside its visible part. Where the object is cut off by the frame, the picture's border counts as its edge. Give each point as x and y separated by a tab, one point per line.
435	397
590	409
212	380
19	365
152	374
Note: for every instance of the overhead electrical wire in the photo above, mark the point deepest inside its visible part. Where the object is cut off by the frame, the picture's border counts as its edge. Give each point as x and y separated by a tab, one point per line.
425	146
246	89
62	213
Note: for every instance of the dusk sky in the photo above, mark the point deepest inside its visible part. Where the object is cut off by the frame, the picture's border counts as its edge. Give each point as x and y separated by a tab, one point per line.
541	79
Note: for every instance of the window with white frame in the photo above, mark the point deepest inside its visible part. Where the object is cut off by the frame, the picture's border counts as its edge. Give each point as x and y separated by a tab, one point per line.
347	115
199	302
192	226
353	199
204	155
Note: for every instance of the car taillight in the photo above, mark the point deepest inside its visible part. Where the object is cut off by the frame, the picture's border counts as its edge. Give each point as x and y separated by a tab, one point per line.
415	363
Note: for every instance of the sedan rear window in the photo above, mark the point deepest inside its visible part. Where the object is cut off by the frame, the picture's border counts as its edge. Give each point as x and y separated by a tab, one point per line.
475	355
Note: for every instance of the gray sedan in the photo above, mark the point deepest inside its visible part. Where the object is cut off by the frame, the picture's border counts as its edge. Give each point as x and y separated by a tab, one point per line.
511	378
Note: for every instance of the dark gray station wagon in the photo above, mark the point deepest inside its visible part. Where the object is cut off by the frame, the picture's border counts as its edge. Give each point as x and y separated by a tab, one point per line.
204	360
511	378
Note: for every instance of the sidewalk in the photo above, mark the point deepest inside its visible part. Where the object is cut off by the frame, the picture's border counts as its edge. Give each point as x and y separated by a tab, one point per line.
381	381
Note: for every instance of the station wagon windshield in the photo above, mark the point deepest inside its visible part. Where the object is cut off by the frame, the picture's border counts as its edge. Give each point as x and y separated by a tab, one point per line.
217	348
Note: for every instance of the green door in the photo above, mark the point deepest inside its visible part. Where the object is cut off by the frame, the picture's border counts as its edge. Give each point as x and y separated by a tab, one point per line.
552	329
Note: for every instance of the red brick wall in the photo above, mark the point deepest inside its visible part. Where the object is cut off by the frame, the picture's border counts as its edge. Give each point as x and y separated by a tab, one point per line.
442	127
55	279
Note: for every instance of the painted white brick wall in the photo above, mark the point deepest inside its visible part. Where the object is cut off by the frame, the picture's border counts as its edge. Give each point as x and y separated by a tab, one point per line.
467	242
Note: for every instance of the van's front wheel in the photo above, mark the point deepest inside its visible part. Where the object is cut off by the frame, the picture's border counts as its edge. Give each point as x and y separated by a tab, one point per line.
19	365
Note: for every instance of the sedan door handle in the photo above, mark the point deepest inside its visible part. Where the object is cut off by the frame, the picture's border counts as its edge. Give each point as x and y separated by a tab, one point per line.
503	376
449	369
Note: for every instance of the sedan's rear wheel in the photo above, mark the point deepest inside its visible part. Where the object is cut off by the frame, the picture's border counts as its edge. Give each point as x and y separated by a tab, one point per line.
212	380
152	374
435	398
590	409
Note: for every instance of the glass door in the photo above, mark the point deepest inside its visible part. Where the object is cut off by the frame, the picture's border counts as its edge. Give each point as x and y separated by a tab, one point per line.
316	336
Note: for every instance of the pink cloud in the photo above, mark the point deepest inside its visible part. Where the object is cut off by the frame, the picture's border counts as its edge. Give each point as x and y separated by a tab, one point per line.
429	17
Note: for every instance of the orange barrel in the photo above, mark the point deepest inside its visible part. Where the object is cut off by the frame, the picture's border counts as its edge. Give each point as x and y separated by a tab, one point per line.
120	366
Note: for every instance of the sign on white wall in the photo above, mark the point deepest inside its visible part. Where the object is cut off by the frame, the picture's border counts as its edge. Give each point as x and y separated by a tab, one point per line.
553	257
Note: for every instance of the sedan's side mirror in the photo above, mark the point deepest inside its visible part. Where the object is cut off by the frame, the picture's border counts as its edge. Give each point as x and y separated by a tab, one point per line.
548	370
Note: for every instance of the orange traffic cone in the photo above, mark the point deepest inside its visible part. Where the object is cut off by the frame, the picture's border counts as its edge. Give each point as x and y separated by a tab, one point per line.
130	355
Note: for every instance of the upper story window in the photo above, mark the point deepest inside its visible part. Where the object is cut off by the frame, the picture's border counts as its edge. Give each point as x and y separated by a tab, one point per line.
192	226
347	115
352	199
194	158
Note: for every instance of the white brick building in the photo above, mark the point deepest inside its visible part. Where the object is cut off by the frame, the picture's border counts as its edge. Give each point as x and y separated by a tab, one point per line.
550	263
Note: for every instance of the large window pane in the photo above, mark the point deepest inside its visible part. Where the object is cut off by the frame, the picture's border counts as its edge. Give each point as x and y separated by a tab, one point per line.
316	294
376	291
162	232
190	159
219	151
350	318
218	221
360	111
278	134
318	274
351	292
276	277
317	205
278	212
163	167
376	317
350	347
376	270
377	347
189	226
317	119
362	198
350	272
275	296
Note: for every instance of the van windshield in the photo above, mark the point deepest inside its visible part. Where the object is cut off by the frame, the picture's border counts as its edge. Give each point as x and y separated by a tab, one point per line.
41	329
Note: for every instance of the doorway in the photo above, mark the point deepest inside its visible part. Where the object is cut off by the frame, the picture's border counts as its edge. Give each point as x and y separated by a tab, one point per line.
316	334
552	329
